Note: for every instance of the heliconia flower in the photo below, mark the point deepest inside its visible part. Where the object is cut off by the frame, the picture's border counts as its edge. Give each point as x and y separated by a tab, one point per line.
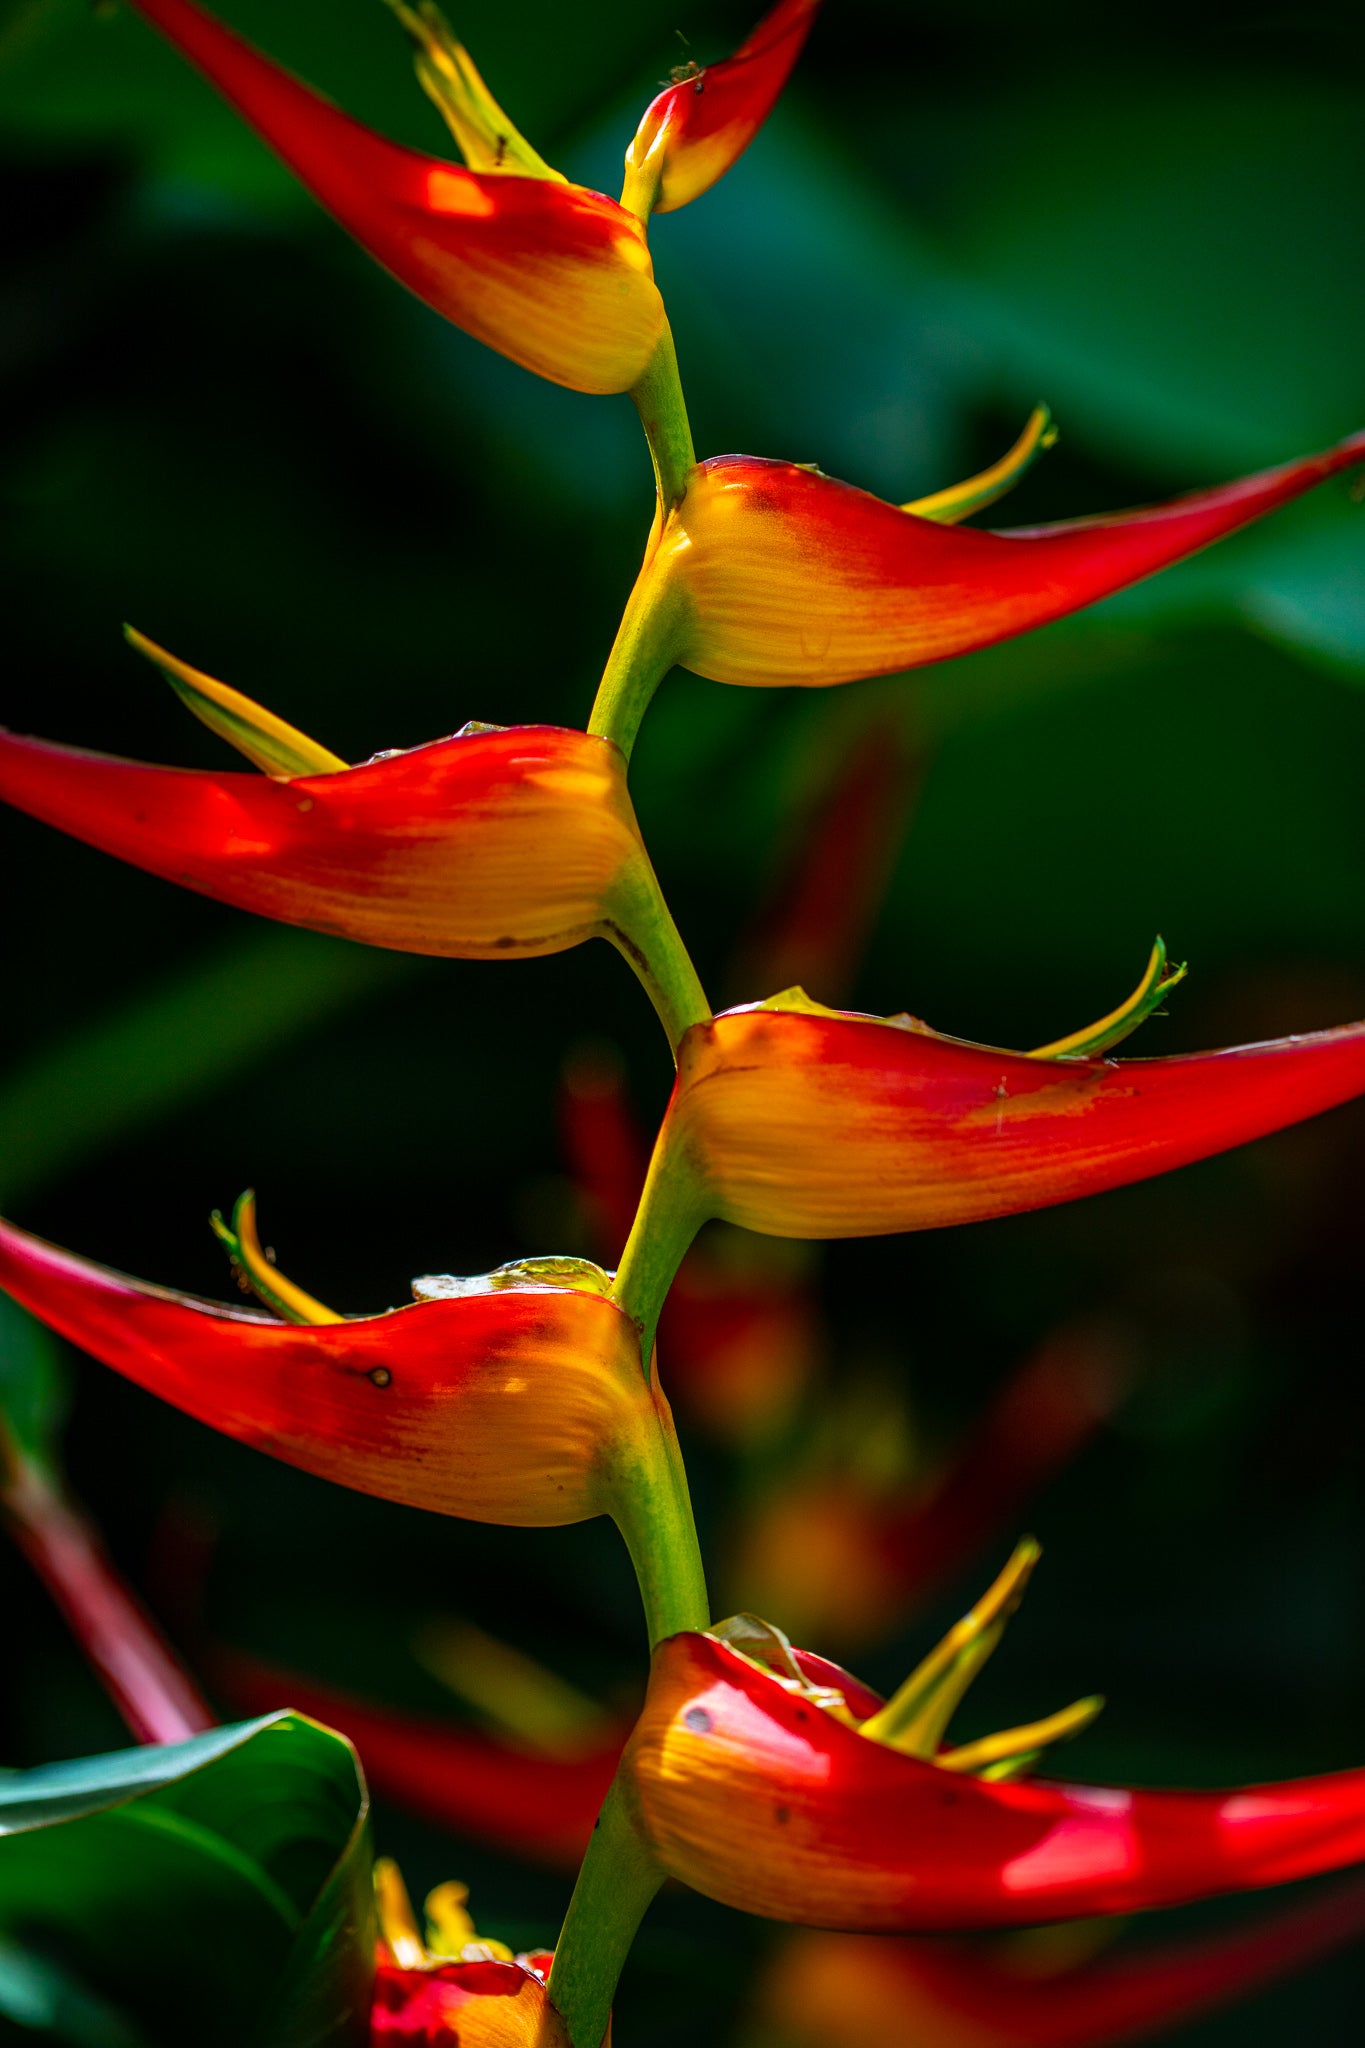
798	1121
511	1398
537	1803
501	843
551	274
446	1987
704	120
769	573
868	1991
741	1335
786	1798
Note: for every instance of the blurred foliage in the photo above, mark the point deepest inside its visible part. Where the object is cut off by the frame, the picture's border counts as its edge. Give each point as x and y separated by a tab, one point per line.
220	423
239	1860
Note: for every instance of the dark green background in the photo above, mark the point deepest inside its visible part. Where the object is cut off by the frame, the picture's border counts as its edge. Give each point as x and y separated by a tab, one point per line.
218	421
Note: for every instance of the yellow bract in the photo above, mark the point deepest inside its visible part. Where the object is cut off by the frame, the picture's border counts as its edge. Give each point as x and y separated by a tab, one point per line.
487	140
269	743
257	1271
959	501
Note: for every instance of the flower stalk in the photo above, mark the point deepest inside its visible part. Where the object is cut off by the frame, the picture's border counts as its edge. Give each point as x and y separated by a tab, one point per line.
616	1886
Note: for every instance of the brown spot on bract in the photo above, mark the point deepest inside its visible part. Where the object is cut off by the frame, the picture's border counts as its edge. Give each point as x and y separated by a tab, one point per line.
380	1377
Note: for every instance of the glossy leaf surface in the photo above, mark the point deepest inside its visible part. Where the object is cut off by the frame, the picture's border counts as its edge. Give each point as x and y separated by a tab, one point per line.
240	1858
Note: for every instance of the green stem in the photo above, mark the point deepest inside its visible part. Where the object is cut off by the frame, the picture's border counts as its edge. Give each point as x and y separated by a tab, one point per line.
663	415
652	629
640	925
616	1885
647	643
671	1212
653	1510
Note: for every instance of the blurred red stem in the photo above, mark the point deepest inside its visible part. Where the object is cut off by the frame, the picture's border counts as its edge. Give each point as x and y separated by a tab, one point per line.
136	1666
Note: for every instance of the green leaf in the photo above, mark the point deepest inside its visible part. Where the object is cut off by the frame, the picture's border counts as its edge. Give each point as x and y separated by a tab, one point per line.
1181	261
238	1860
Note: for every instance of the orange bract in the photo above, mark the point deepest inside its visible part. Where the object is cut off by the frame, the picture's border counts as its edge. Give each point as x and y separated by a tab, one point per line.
548	273
463	2005
776	574
697	127
507	1404
810	1123
497	844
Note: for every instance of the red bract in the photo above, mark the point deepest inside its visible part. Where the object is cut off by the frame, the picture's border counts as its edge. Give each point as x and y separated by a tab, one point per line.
538	1805
550	274
804	1122
498	844
491	845
699	125
861	1991
463	2005
507	1403
753	1793
770	574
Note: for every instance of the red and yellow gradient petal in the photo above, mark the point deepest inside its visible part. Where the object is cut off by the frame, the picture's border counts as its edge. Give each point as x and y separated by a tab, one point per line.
492	845
463	2005
774	574
551	274
699	126
755	1796
865	1991
812	1123
502	1404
